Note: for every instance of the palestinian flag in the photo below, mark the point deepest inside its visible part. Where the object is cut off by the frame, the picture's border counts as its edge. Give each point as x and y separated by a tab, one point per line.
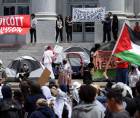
128	45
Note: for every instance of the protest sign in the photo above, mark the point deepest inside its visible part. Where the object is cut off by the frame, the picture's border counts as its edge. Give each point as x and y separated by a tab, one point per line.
101	58
44	78
58	49
14	24
88	14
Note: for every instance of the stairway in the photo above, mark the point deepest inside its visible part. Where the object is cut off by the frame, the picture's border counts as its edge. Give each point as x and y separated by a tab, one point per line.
8	54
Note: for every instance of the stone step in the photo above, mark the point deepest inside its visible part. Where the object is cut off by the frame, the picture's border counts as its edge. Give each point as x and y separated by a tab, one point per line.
8	54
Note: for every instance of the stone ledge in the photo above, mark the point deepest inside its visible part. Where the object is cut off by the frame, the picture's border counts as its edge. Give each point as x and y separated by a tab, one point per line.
9	46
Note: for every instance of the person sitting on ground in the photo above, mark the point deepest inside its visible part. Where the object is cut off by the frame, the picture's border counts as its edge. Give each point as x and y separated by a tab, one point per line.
87	108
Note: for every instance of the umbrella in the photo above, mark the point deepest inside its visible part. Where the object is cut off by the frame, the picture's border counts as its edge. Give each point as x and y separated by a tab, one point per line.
17	63
35	68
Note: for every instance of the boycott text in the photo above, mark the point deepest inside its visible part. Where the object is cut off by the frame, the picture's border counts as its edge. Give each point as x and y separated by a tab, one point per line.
11	21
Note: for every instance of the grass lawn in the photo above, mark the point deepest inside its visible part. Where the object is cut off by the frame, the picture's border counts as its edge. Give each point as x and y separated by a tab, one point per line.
98	75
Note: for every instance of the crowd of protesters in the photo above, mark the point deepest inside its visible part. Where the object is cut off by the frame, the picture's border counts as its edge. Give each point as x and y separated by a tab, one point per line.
64	99
57	99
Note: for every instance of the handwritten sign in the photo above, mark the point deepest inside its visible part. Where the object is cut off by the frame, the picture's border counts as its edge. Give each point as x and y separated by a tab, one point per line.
88	14
14	24
101	58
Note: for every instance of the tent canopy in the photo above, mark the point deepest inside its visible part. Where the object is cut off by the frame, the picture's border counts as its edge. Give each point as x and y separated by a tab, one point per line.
78	54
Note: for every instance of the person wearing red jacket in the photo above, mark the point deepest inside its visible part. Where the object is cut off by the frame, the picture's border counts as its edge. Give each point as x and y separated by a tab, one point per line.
122	71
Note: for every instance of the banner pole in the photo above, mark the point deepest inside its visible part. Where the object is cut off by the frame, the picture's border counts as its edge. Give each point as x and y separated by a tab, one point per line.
107	65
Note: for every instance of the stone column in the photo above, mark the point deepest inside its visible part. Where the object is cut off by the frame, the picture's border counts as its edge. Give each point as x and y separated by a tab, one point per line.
45	11
137	7
48	6
116	7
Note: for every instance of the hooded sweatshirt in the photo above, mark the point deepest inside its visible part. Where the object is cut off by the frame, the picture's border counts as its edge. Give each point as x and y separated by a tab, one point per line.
43	112
84	110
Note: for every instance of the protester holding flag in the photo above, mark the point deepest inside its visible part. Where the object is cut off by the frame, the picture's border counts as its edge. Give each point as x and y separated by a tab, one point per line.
127	48
122	71
33	28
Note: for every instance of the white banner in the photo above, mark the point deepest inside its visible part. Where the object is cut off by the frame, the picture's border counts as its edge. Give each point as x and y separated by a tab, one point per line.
88	14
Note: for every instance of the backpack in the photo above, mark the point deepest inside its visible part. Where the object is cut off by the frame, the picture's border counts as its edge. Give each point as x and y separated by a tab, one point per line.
10	109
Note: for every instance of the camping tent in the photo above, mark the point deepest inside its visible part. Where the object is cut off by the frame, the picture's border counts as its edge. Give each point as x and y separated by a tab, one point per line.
77	56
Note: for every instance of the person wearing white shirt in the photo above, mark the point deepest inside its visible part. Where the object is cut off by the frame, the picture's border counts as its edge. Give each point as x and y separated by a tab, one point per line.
48	58
33	28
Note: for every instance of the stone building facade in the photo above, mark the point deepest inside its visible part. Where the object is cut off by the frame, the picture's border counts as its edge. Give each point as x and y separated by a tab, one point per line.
47	10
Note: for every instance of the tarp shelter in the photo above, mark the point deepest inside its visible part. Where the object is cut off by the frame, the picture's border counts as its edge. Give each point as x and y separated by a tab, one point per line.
77	56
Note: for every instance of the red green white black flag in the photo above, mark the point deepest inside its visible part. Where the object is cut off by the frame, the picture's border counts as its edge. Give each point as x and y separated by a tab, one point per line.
128	45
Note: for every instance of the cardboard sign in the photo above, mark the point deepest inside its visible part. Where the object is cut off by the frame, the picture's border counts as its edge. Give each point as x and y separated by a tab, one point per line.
14	24
44	77
58	49
101	58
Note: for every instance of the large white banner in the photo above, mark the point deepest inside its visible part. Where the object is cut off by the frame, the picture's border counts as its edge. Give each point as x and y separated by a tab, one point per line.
88	14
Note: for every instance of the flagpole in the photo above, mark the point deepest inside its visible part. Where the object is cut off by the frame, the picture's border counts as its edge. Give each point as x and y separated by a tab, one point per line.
107	65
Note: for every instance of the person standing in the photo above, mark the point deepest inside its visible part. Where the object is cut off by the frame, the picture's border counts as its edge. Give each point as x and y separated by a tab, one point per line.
115	27
122	71
48	58
33	28
134	77
2	71
107	28
42	110
65	76
137	29
68	26
59	27
88	107
93	50
115	106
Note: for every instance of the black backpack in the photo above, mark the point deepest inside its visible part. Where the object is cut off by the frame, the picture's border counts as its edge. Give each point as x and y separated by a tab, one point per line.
10	109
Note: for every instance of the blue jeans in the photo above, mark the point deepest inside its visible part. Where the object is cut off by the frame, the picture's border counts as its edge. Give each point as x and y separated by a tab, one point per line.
122	75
